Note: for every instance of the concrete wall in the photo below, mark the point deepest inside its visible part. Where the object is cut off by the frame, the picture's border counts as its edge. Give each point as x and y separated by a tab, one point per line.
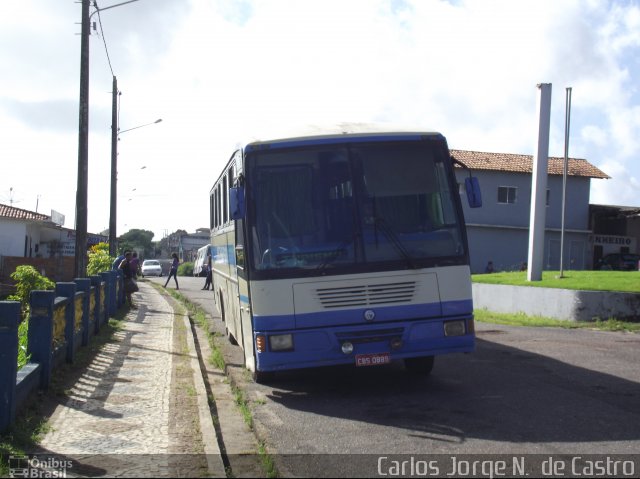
557	303
12	234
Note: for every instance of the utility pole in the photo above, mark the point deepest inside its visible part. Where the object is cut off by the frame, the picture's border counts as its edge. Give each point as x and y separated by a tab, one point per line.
114	169
80	267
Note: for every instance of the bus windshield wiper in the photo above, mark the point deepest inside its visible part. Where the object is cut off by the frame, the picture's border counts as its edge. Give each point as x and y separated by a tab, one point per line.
393	237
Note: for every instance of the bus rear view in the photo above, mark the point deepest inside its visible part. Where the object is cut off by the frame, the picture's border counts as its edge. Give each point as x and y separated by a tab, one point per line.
350	249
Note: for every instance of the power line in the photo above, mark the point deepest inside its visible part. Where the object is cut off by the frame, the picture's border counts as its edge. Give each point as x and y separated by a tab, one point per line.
104	41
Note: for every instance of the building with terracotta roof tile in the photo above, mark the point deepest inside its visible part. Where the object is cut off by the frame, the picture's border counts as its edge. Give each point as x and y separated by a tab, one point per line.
499	231
31	238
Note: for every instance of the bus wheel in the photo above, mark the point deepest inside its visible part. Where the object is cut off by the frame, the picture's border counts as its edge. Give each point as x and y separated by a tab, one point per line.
422	365
263	377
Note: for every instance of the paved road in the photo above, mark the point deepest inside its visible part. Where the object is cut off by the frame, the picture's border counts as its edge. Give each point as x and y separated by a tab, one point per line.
524	391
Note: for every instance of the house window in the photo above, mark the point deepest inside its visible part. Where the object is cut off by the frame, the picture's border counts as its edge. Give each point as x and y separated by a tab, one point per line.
507	194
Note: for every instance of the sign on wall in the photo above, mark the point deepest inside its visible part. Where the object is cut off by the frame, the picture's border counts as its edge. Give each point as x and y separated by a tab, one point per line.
613	244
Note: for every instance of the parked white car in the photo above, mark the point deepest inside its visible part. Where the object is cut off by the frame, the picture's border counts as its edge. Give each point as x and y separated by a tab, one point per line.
151	267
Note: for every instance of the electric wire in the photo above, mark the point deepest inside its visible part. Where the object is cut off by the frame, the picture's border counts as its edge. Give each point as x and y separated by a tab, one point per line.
104	41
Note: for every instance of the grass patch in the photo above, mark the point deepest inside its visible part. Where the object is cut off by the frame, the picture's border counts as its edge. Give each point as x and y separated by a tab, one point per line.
25	434
267	461
217	359
243	405
521	319
621	281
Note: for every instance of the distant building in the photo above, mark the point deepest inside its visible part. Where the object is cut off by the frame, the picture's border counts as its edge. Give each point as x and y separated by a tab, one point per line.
189	244
30	238
616	229
499	231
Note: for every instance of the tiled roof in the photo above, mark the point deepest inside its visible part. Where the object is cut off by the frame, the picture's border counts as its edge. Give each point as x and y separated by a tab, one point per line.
20	214
477	160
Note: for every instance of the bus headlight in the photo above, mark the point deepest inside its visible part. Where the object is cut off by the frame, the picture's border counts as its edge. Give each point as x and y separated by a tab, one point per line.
454	328
281	342
347	347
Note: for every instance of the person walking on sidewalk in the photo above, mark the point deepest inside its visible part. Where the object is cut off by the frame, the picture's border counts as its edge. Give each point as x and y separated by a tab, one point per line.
174	271
130	285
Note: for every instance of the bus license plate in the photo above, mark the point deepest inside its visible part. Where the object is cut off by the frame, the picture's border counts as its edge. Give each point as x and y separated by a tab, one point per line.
376	359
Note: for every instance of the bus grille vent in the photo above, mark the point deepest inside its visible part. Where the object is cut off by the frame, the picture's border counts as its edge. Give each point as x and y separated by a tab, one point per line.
366	295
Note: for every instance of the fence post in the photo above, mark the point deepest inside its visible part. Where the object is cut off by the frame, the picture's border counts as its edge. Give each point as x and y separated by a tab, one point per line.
110	292
120	288
41	333
84	285
68	290
96	282
9	321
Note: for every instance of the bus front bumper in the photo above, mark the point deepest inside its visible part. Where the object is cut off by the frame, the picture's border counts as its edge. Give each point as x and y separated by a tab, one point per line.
363	345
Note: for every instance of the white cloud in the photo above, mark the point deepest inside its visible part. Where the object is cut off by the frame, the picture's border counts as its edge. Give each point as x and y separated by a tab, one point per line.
217	71
623	191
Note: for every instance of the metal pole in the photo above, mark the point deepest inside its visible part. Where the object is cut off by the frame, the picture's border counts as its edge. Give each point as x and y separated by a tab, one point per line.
567	121
80	266
537	220
114	170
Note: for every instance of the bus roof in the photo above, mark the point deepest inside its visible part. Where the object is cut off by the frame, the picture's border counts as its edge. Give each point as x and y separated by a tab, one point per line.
341	133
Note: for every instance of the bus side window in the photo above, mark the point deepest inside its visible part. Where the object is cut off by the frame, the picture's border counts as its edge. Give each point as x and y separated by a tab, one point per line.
240	261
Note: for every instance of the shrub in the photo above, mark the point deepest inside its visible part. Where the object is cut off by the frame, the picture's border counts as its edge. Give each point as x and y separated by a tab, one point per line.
186	269
27	279
23	340
99	259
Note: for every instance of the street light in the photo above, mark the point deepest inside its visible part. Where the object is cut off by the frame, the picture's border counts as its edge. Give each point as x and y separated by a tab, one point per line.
115	131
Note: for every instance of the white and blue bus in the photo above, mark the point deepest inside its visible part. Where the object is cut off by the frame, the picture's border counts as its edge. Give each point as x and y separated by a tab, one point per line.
201	259
343	248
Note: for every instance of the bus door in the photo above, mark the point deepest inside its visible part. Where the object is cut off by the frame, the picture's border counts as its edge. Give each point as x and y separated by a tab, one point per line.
245	333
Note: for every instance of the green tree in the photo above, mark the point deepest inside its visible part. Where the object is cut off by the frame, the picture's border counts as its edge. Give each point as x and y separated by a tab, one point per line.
137	240
99	259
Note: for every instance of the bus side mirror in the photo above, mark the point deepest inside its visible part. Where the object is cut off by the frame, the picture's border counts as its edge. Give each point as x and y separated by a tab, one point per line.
236	202
474	195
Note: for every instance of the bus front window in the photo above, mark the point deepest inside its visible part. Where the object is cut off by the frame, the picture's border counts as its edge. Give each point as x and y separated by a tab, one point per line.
303	209
339	206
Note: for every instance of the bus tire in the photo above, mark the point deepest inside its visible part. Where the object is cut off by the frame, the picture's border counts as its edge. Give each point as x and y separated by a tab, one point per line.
422	365
263	377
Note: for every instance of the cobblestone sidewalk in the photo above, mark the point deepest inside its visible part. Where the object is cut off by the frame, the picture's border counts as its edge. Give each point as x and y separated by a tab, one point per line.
140	408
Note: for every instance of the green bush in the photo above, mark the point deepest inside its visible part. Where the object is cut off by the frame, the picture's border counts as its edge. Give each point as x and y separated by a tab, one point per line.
186	269
27	279
23	341
99	259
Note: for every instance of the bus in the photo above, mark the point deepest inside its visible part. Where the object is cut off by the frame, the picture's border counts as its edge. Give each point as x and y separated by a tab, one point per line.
201	259
345	247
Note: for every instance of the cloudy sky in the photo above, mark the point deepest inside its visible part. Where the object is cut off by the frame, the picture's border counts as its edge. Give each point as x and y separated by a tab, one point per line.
218	71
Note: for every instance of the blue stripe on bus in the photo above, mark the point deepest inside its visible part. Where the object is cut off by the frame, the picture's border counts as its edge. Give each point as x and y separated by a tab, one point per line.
356	316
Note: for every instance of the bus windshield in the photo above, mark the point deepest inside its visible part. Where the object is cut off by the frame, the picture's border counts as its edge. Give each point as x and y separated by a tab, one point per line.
345	205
